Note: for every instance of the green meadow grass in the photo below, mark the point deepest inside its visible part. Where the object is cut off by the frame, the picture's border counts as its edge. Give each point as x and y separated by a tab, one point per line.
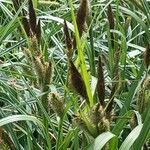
28	122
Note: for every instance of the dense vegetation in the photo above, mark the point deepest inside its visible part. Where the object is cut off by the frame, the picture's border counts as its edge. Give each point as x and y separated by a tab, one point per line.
74	74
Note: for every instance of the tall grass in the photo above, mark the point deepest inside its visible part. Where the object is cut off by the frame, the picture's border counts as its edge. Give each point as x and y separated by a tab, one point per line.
74	75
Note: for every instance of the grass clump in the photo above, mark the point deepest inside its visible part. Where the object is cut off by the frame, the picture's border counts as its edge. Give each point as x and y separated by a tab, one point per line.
74	75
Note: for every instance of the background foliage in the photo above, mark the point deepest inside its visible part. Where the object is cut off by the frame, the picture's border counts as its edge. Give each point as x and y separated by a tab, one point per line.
111	53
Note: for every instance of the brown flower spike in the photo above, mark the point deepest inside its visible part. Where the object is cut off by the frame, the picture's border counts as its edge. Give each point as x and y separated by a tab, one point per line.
110	17
32	17
81	17
26	26
147	56
38	31
100	83
31	27
111	22
67	36
68	40
76	81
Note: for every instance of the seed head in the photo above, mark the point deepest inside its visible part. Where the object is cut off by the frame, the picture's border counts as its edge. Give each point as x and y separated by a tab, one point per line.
111	22
48	72
110	17
38	31
96	114
81	16
100	83
39	68
144	95
76	80
26	26
32	17
56	104
67	39
147	56
141	101
34	47
81	123
28	54
104	125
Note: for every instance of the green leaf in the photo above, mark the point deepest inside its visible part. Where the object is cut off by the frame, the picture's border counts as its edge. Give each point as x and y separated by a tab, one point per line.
15	118
93	84
137	18
81	57
128	142
144	132
101	140
121	123
11	23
